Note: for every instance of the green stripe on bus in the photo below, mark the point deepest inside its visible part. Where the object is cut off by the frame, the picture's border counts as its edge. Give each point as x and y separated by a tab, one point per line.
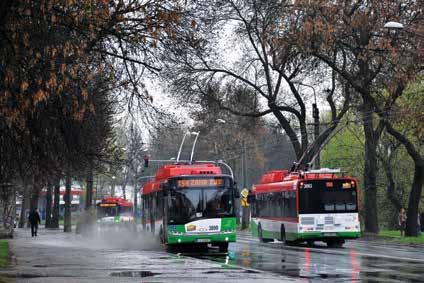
211	238
228	230
320	235
301	236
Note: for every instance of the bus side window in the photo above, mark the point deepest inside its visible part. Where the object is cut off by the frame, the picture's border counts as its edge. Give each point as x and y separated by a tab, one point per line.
259	205
159	203
281	204
293	204
285	203
276	204
271	203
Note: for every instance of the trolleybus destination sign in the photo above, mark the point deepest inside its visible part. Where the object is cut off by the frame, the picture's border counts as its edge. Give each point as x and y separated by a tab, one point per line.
211	182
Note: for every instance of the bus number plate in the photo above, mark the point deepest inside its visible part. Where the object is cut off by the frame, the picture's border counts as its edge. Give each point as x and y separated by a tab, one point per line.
203	240
329	234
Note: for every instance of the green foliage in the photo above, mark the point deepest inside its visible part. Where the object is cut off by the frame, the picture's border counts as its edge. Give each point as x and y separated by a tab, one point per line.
409	114
394	236
346	151
4	253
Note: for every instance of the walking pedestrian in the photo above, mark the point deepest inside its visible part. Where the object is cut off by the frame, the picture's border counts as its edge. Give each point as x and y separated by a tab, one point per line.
402	221
418	224
34	220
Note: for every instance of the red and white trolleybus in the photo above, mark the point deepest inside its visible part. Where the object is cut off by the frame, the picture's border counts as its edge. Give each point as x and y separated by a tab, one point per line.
315	205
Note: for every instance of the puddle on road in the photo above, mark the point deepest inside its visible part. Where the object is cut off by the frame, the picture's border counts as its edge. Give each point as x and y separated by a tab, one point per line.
134	274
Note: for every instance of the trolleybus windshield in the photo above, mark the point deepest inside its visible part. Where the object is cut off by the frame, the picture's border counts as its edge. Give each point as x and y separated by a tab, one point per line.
195	198
106	210
112	209
324	196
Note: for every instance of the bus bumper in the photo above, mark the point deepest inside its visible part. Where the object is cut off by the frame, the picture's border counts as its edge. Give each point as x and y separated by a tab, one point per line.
201	238
319	236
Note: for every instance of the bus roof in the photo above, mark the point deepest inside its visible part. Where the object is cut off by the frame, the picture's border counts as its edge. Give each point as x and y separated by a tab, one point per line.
174	170
118	200
279	180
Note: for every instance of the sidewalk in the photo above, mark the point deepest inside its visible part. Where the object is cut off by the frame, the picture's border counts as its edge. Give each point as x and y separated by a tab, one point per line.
55	256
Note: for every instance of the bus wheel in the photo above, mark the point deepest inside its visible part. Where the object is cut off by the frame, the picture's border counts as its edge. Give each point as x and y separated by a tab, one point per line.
260	235
223	247
283	234
335	243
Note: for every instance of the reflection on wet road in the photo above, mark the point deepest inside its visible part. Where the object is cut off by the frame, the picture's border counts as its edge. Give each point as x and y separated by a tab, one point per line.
356	261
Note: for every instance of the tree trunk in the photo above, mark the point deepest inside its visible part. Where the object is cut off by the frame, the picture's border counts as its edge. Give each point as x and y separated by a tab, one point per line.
391	191
417	183
56	203
370	170
25	205
414	201
67	223
293	137
135	199
124	190
35	193
89	192
49	205
112	188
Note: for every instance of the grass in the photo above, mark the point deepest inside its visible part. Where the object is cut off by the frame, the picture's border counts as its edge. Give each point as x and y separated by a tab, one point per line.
394	236
4	253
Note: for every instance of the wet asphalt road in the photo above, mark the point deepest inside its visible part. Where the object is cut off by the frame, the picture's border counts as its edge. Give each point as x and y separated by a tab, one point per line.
357	261
58	257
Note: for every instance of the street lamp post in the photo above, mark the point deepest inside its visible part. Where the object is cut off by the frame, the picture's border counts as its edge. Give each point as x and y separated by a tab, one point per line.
245	209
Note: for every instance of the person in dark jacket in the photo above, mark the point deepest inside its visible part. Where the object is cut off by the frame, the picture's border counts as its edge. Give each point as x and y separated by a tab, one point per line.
34	220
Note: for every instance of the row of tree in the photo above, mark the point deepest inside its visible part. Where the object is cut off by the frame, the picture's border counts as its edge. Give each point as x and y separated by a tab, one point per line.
61	61
64	67
279	50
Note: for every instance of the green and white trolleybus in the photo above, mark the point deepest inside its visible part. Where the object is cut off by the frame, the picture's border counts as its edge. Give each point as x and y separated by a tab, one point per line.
316	205
190	203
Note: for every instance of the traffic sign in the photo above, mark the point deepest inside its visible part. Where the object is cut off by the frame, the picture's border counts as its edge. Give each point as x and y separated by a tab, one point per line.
244	193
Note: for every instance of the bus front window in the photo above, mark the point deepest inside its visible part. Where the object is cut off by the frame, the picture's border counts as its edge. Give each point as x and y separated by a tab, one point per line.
106	212
126	211
195	202
218	202
318	198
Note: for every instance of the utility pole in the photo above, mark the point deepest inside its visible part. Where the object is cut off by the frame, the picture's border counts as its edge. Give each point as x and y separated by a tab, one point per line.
244	165
245	208
315	115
